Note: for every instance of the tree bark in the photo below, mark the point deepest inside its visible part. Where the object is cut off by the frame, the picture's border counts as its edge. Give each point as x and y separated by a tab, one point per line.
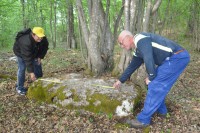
156	6
147	16
97	65
117	21
125	55
106	43
51	24
23	14
83	21
55	21
70	39
133	15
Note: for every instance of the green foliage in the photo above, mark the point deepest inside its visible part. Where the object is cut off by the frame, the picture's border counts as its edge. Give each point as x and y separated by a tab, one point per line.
7	77
39	13
110	115
121	126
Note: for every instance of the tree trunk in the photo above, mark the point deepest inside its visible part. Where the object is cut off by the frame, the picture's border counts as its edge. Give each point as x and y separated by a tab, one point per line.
23	14
163	22
84	28
193	25
106	38
42	16
147	16
70	39
140	14
55	21
100	41
156	6
125	55
51	24
133	16
83	21
117	21
97	64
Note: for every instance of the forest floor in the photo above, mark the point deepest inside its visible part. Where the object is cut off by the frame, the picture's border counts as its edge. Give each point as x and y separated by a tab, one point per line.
20	114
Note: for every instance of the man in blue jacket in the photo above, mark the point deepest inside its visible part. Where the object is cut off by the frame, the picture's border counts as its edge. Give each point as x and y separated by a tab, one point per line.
164	60
30	47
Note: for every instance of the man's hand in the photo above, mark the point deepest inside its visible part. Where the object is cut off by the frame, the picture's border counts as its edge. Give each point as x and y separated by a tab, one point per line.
33	78
147	81
117	84
39	61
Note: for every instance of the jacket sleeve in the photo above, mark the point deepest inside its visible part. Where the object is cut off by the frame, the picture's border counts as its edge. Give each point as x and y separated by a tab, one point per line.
27	55
43	48
145	48
135	63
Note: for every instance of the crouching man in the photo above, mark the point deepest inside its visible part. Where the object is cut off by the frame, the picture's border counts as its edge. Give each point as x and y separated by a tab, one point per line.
164	60
30	47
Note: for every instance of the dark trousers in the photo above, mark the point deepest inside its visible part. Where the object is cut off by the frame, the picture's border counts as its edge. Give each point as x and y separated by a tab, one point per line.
22	68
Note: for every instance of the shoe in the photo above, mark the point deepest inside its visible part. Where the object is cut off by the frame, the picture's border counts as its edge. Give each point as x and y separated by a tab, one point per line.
136	124
163	116
21	91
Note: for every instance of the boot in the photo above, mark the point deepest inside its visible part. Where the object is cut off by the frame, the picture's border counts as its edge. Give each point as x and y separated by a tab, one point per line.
136	124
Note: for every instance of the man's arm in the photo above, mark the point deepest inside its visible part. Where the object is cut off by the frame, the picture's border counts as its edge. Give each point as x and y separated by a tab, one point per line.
43	48
135	63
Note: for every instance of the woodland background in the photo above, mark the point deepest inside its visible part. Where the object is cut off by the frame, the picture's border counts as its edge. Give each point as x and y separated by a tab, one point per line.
93	26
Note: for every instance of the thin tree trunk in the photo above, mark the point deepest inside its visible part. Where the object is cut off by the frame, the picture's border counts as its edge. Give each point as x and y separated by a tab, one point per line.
117	21
140	14
70	32
126	55
55	21
83	21
164	21
133	15
51	25
23	13
156	6
147	16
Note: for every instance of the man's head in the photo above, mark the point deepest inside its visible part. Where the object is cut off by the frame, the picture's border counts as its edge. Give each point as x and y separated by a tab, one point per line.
38	33
125	40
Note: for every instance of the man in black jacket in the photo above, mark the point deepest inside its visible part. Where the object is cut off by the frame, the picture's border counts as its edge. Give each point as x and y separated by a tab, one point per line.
30	48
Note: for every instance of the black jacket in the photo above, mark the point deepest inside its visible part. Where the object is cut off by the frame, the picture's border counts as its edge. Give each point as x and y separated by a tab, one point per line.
26	48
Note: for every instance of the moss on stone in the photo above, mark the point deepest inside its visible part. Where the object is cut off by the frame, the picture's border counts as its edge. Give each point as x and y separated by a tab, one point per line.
138	99
59	93
88	72
75	95
42	94
107	105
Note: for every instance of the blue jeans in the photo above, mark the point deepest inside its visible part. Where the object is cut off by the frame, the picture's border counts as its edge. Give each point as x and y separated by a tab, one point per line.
167	74
21	71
